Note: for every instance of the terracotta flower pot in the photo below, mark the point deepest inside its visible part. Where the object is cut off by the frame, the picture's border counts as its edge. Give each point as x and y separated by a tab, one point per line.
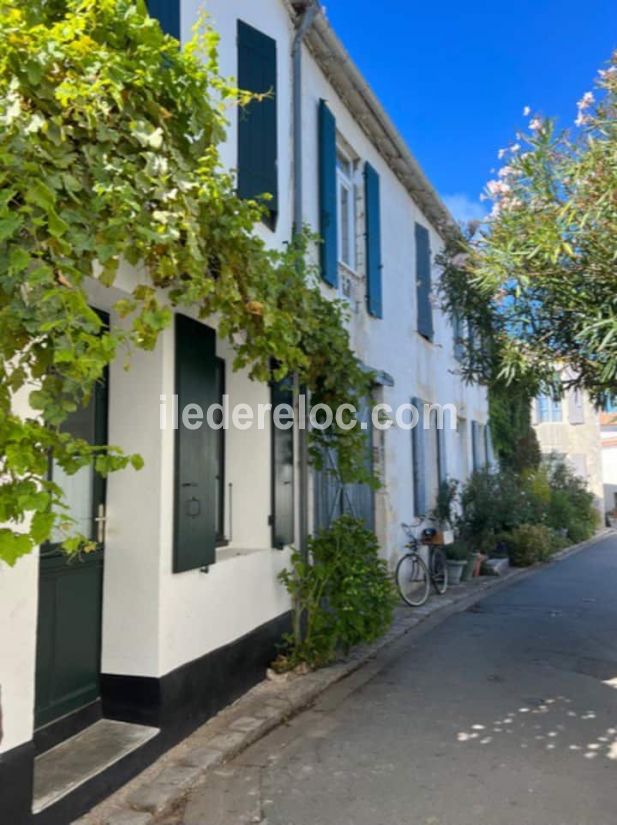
480	557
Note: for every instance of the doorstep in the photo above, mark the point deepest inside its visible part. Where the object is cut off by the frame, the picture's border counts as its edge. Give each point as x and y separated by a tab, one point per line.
65	767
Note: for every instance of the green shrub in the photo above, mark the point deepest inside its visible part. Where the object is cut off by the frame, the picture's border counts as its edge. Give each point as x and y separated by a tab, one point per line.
459	550
558	540
571	505
529	544
343	595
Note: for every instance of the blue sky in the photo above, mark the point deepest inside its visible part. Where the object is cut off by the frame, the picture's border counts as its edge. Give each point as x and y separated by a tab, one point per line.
455	76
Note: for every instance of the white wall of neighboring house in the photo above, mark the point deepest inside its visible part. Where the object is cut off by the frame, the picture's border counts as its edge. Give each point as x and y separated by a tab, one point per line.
608	424
575	436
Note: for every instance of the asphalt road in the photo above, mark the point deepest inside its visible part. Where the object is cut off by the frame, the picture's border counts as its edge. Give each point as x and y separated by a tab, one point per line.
500	715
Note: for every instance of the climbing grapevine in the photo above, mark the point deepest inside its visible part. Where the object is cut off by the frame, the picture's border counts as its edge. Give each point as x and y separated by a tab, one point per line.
108	162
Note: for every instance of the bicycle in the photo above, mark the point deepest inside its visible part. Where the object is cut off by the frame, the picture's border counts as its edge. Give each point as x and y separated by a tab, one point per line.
413	576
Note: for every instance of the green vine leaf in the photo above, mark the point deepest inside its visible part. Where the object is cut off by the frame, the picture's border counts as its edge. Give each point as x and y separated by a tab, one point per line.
109	136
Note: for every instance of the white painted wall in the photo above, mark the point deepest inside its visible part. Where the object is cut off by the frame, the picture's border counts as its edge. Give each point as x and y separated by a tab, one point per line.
155	620
272	18
18	619
18	613
609	467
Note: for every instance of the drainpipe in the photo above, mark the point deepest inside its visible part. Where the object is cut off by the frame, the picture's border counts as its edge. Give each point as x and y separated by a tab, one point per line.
308	12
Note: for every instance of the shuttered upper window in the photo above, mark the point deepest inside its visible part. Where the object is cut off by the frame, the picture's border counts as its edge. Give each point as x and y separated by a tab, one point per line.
328	224
167	12
423	282
257	122
373	242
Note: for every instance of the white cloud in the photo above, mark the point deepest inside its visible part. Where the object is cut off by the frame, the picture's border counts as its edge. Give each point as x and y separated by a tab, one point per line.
464	208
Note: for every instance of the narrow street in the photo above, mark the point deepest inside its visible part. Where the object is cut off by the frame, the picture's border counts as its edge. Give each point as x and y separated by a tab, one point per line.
500	715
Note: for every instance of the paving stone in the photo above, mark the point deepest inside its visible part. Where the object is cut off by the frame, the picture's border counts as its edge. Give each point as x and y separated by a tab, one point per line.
164	789
129	818
246	724
227	742
203	757
268	712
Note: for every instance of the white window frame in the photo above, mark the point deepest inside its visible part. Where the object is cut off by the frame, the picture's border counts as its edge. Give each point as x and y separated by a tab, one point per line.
549	409
345	181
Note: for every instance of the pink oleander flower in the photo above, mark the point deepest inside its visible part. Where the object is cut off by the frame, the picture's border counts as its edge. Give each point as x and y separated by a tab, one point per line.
515	148
605	74
526	111
506	172
460	259
586	101
582	120
535	125
497	188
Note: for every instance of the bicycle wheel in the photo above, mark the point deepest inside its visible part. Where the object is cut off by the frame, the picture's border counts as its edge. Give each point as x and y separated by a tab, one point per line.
412	580
439	570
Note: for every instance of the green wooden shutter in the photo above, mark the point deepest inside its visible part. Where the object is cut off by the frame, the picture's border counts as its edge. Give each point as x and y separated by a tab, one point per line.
327	195
373	241
419	460
167	12
257	122
196	449
282	470
423	282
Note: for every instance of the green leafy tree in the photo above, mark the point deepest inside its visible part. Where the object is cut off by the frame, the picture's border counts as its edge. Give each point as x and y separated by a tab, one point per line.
108	156
544	266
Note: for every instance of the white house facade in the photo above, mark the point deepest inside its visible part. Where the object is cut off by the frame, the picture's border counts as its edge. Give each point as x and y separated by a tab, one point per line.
180	609
569	428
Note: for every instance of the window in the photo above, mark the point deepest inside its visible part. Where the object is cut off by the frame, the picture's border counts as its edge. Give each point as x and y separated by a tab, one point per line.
282	444
346	202
257	122
458	334
428	459
610	404
479	445
548	409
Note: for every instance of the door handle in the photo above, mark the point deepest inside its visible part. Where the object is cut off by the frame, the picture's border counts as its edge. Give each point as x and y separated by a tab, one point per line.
100	521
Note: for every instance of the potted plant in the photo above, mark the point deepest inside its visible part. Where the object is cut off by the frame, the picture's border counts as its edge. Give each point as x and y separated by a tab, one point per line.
457	555
443	513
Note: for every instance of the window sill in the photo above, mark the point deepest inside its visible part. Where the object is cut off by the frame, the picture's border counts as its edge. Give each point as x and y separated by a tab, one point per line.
349	271
429	341
228	553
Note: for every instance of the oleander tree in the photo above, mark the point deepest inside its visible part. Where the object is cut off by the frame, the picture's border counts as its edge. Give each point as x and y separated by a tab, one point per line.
108	157
538	281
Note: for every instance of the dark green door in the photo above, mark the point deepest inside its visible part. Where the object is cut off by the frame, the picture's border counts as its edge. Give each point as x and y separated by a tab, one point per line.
68	656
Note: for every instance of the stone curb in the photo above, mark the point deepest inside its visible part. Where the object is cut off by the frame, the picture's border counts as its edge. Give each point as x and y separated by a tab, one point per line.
162	787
